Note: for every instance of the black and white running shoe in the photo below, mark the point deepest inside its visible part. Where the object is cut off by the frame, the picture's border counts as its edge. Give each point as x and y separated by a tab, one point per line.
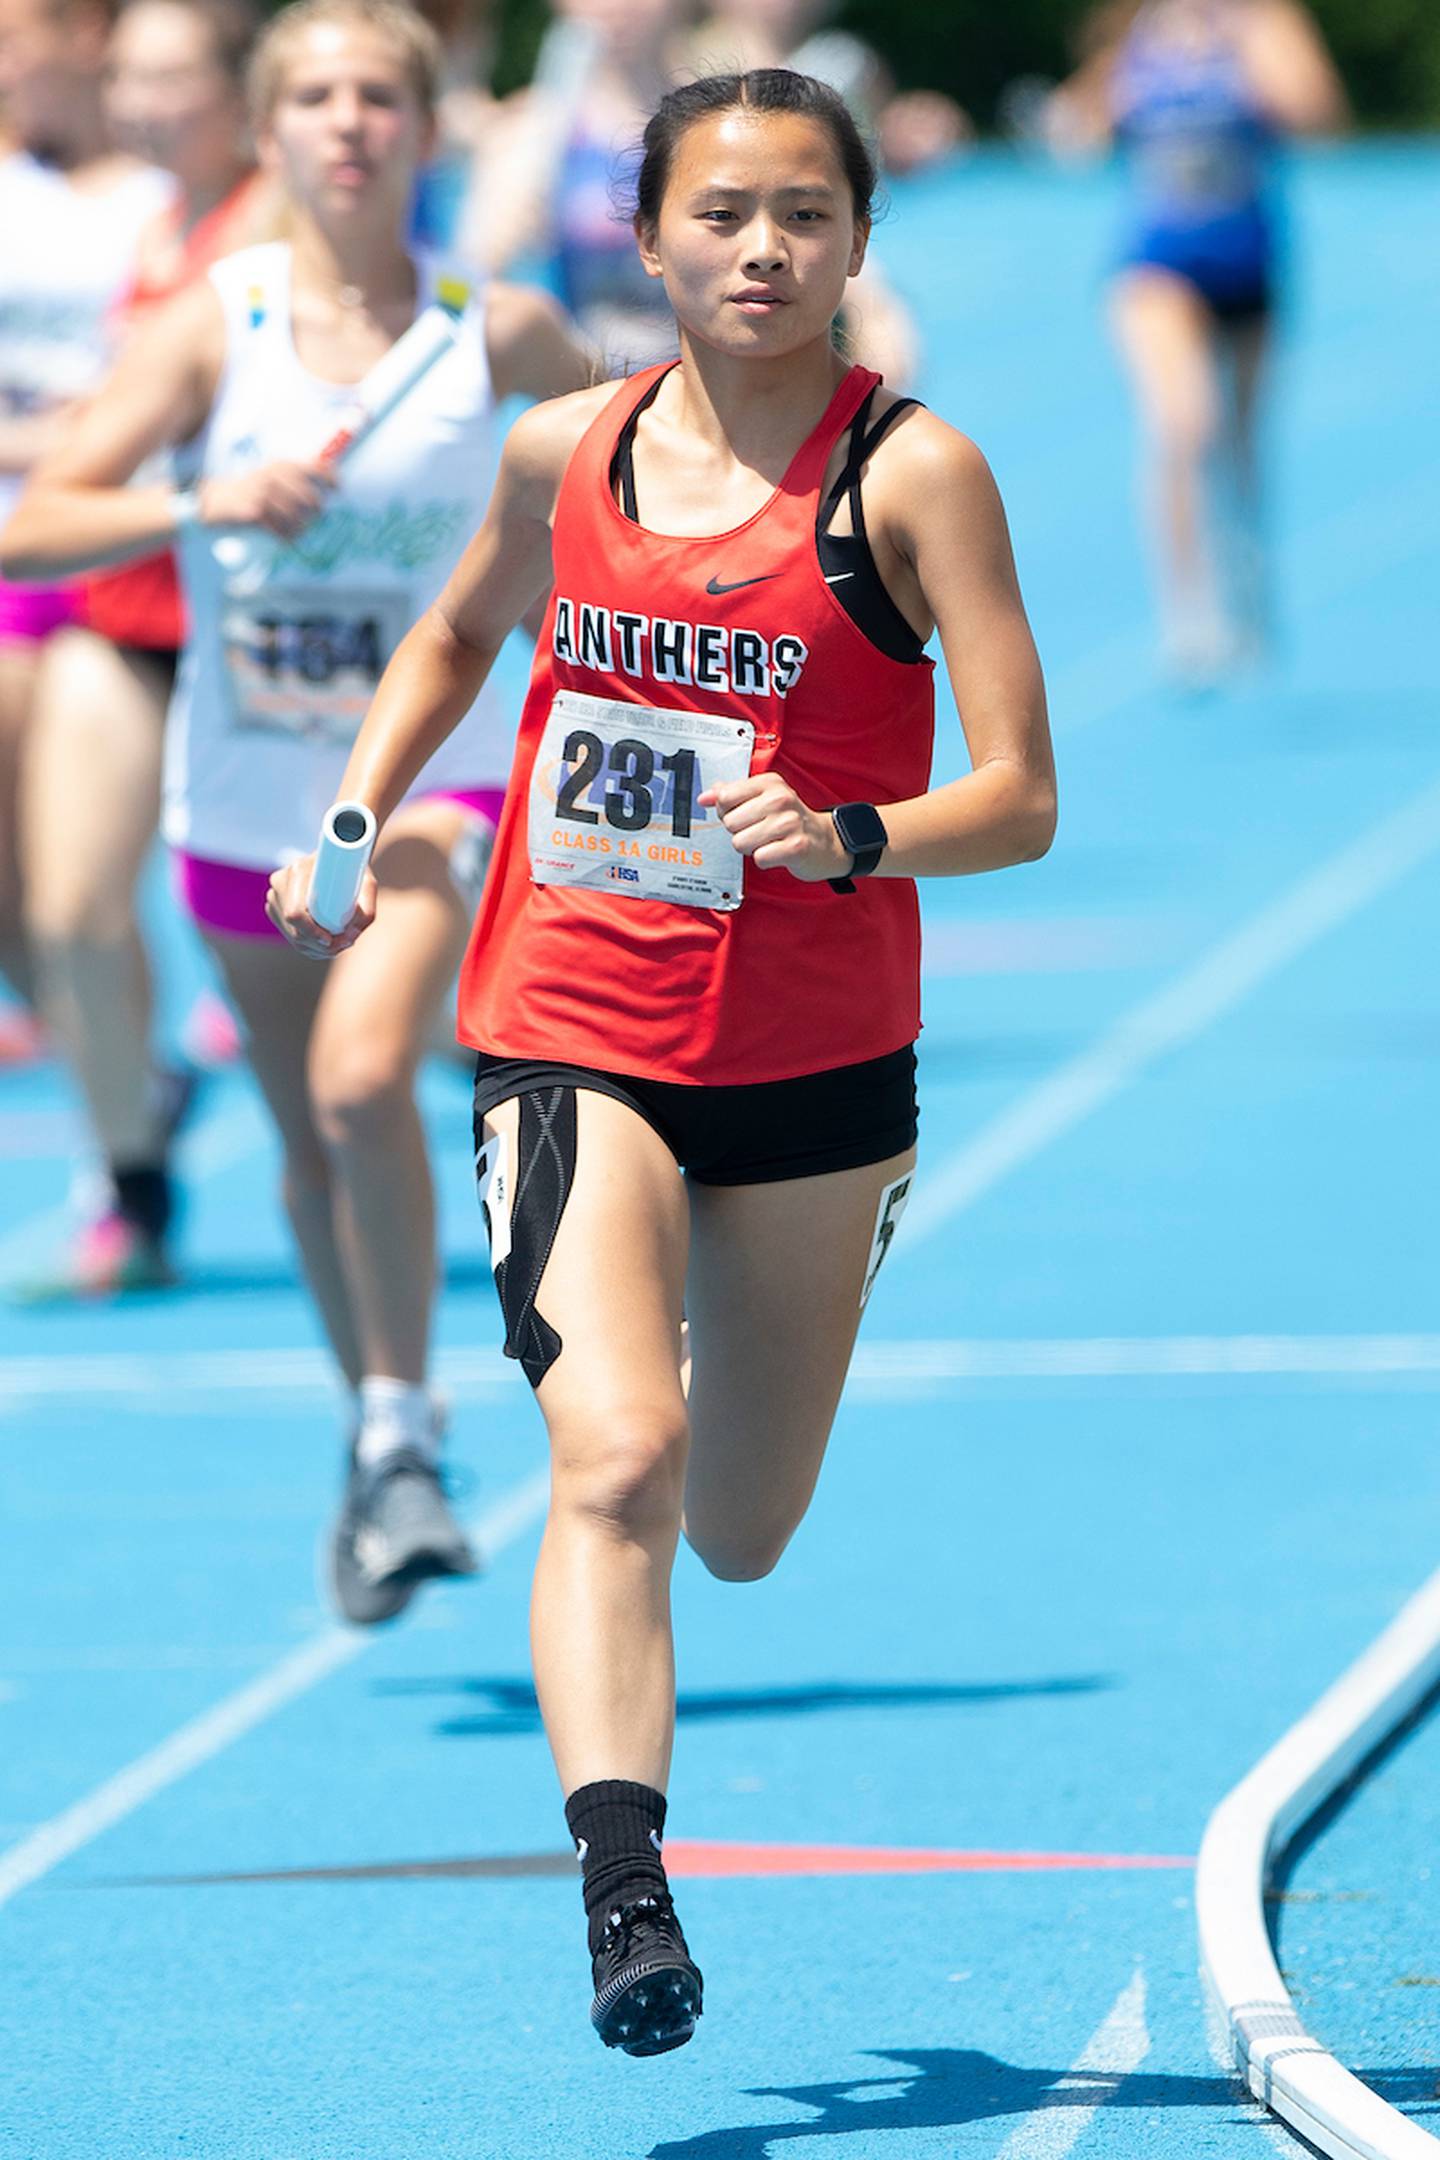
394	1532
648	1990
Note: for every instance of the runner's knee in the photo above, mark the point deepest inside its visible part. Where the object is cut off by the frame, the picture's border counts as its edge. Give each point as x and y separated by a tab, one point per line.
360	1089
739	1552
69	916
625	1474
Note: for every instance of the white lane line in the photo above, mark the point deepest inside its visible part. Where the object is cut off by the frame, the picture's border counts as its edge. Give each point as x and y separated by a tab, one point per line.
136	1658
206	1736
1121	1357
173	1385
1176	1015
1115	2050
1345	552
213	1147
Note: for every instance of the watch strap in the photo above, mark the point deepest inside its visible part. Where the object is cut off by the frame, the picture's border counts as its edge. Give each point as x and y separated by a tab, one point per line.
863	835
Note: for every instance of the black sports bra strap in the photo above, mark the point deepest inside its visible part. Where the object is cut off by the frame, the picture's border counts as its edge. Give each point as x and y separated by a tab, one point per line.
881	428
849	470
622	464
625	474
863	440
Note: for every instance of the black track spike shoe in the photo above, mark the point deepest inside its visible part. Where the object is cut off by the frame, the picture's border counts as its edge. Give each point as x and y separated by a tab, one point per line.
647	1989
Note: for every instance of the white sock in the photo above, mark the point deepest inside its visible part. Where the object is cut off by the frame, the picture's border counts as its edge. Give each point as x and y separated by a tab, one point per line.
394	1414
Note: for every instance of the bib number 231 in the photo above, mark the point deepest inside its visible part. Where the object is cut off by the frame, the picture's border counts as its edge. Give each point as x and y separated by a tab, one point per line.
613	801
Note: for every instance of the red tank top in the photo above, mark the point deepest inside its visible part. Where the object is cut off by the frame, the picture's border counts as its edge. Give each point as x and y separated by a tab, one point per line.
798	978
141	603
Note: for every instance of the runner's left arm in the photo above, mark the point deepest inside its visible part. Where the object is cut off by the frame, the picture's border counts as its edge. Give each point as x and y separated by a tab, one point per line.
938	528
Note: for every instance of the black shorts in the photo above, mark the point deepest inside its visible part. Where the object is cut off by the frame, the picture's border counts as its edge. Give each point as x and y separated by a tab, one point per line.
1241	307
163	657
1236	299
751	1135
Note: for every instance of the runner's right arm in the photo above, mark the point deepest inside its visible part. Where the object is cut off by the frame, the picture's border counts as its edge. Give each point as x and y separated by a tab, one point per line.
77	511
437	670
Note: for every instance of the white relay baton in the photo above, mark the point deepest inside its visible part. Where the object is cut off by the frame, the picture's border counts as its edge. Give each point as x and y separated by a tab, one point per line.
245	556
341	858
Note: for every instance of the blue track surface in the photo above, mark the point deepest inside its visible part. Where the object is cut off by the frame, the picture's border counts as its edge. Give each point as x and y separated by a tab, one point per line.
1064	1580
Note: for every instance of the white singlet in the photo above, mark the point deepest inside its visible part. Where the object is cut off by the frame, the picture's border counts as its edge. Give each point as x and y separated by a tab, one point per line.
67	256
276	678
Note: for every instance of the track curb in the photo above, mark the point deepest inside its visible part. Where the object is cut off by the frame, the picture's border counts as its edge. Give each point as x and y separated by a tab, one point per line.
1283	2065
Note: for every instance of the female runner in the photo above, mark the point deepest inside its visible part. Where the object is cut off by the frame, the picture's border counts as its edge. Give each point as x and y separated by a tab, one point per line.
175	95
1197	93
71	214
693	983
259	361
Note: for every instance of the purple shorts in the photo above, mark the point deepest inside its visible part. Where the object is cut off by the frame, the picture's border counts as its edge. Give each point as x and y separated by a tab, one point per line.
230	898
31	613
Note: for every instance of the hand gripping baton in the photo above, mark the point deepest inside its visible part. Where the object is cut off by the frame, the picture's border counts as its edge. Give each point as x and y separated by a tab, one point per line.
245	556
346	839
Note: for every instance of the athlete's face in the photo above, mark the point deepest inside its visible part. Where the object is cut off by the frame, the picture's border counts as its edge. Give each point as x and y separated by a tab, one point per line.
167	96
757	232
46	49
347	130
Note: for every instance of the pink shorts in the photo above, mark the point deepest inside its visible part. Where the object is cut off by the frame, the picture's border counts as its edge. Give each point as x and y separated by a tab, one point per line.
230	899
31	613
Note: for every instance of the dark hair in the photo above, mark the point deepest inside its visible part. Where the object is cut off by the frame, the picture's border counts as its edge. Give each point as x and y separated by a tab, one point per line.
769	90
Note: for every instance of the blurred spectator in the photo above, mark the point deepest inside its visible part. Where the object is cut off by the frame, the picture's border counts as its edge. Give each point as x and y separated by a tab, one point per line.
912	128
1197	93
175	95
911	131
72	211
467	115
557	187
558	184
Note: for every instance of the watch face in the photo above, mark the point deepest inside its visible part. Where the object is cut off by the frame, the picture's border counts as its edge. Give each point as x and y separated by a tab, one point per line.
861	827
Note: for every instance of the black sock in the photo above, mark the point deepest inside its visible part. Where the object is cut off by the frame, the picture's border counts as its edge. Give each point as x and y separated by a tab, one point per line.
617	1829
144	1197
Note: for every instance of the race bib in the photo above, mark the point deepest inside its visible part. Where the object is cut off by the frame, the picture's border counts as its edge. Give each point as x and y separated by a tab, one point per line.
307	664
613	801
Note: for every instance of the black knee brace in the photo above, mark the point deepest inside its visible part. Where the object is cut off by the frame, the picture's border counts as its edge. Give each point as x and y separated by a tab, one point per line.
522	1209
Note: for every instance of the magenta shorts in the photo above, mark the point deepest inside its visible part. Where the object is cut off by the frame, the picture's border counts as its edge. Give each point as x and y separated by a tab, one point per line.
230	899
31	613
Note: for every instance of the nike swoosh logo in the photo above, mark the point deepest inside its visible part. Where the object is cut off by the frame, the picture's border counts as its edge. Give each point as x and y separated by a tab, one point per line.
716	587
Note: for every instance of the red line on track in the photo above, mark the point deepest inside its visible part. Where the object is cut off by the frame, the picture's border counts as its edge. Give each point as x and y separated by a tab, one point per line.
690	1857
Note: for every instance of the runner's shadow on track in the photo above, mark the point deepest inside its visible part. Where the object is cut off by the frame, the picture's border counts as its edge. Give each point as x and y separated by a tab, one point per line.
947	2088
246	1278
511	1707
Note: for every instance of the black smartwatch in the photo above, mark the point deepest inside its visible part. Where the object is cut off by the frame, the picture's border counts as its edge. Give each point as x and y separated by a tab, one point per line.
863	835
